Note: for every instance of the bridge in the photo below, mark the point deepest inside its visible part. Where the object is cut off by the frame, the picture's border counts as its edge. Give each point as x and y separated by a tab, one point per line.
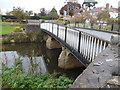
88	47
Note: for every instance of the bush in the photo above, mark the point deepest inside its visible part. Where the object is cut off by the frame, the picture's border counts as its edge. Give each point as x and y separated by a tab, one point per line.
17	29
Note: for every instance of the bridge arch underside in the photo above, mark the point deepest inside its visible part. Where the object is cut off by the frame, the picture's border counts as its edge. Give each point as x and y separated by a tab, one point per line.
83	46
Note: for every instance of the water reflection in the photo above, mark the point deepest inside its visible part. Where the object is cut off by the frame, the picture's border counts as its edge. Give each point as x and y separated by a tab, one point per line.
36	58
30	65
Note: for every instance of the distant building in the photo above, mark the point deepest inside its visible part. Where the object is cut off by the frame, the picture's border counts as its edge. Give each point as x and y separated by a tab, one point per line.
112	11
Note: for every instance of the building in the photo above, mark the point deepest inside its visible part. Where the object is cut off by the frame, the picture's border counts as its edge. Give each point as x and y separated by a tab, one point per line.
72	7
113	12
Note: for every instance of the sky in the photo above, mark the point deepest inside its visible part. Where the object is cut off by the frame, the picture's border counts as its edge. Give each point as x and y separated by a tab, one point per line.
35	5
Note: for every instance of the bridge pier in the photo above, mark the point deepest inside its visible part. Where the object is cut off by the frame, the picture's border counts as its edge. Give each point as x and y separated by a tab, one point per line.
51	43
67	61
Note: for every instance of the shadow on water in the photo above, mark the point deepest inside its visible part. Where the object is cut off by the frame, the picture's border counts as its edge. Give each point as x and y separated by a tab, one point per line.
36	58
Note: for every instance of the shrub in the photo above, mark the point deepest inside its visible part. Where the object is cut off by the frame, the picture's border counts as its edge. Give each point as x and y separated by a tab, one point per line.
17	29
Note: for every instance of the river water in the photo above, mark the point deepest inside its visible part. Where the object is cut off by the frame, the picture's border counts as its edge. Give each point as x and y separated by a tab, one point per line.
36	58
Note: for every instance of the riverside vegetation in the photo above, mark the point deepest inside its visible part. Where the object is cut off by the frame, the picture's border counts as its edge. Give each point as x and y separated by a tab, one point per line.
14	78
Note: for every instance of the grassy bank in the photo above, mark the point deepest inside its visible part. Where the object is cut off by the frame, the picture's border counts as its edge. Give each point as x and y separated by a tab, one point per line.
7	29
10	23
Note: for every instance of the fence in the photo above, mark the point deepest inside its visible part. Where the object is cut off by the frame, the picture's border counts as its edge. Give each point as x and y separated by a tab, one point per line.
86	45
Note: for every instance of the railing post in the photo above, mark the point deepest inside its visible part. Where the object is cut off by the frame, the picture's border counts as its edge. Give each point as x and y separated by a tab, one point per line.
84	25
112	27
65	33
57	29
79	42
75	24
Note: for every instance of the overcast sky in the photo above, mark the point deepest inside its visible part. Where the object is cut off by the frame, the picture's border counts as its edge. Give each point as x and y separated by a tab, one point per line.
35	5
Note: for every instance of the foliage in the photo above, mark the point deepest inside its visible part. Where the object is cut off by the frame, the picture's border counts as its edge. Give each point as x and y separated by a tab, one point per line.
20	14
104	16
77	19
35	36
14	78
17	29
60	20
42	12
53	14
35	17
8	17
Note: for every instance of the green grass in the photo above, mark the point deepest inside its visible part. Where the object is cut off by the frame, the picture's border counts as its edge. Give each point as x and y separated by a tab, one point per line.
6	29
10	23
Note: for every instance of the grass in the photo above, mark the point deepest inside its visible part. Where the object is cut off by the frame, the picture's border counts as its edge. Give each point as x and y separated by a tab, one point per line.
10	23
6	29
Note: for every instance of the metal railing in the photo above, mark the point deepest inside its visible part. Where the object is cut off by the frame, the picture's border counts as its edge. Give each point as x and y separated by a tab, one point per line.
88	46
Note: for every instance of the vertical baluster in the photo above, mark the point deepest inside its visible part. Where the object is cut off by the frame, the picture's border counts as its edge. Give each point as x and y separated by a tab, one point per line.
74	40
90	42
52	27
87	48
81	44
91	48
100	46
57	30
97	49
94	49
104	45
87	45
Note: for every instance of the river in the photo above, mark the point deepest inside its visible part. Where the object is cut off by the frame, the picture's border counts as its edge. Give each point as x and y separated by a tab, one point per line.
36	58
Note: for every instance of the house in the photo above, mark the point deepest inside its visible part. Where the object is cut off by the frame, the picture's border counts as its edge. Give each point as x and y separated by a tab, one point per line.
72	7
113	12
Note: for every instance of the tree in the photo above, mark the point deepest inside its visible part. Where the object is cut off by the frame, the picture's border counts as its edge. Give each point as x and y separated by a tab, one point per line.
20	14
104	16
42	12
53	14
28	14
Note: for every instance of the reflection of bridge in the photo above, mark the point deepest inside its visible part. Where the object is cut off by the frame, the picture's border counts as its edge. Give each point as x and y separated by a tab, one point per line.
85	46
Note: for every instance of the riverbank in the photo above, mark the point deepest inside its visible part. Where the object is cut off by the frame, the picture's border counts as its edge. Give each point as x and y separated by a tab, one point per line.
22	37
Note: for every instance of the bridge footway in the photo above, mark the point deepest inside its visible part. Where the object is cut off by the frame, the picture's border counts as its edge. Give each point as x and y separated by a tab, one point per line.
67	61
